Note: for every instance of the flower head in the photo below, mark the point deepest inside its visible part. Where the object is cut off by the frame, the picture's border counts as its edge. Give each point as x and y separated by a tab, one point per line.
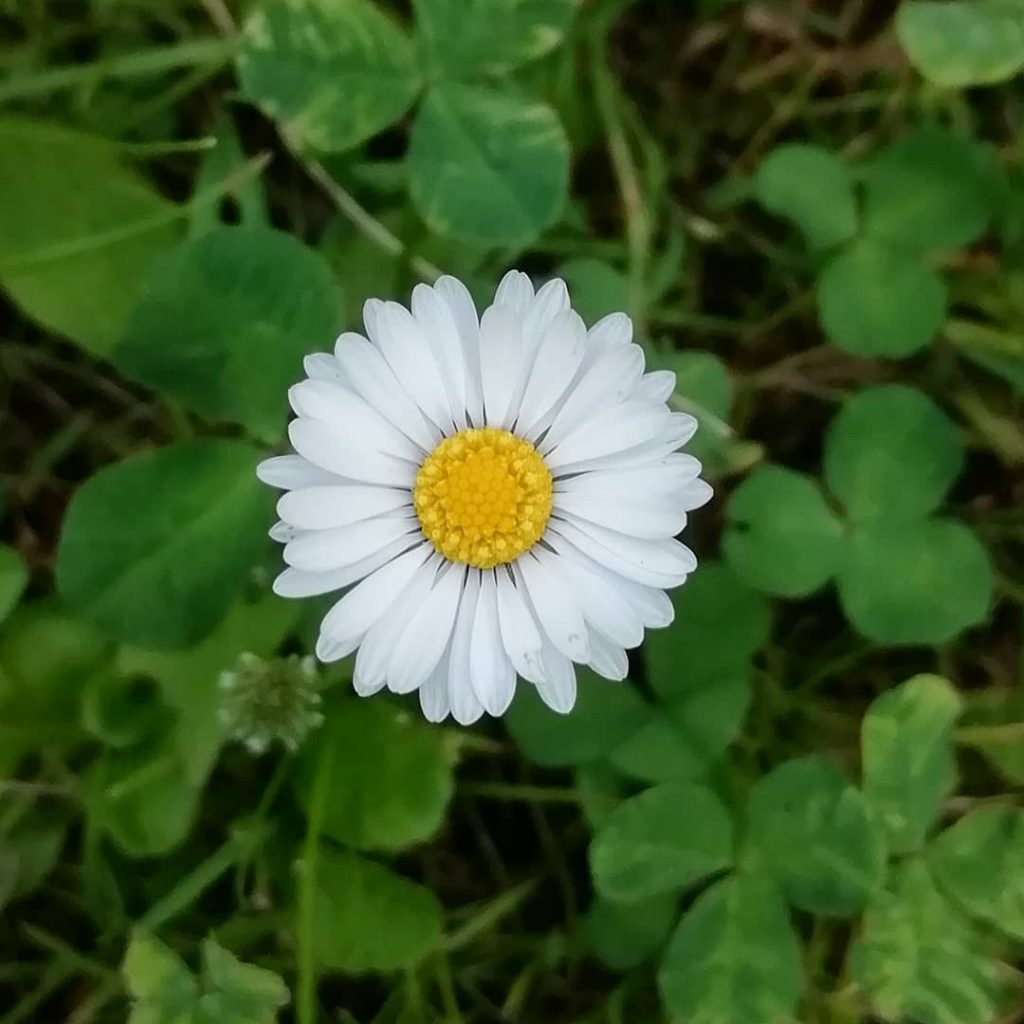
499	496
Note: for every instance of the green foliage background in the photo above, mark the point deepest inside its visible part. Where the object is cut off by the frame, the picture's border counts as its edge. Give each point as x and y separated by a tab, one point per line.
805	803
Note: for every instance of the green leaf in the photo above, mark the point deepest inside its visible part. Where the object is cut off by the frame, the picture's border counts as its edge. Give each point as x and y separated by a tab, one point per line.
907	754
979	862
876	300
121	710
596	288
977	42
29	851
690	736
366	918
13	578
928	190
782	537
666	838
734	958
252	994
155	548
332	72
719	625
78	230
390	778
811	187
143	798
917	959
623	935
813	830
997	706
891	455
189	678
605	713
162	988
224	321
917	583
488	167
490	36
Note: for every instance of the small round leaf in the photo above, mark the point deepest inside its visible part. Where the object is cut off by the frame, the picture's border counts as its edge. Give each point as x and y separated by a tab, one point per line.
916	583
891	455
332	72
667	838
488	167
782	537
876	300
623	935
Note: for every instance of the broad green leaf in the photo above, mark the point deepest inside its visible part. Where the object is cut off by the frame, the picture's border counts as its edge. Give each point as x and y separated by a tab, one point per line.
13	577
917	959
143	798
691	734
121	710
237	992
891	455
155	548
907	756
720	623
979	862
224	321
189	678
366	918
929	189
605	713
813	188
486	166
877	300
390	776
29	851
915	583
162	988
963	43
623	935
78	230
782	537
489	36
814	833
331	72
734	958
595	287
601	789
666	838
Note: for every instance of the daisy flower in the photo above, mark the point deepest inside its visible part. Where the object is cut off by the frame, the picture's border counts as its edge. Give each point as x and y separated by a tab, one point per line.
498	496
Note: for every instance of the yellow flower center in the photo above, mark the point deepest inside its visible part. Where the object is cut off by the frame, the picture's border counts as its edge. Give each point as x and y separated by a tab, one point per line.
483	497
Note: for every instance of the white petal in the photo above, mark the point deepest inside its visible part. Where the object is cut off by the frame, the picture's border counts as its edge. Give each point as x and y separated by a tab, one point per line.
327	447
550	300
323	366
501	358
516	292
604	606
354	419
696	494
283	533
637	514
328	650
609	332
289	471
658	386
492	674
554	601
558	687
557	361
434	693
661	564
606	659
606	381
438	326
370	376
323	550
301	583
322	508
378	646
466	708
671	475
460	302
428	631
519	632
620	428
365	603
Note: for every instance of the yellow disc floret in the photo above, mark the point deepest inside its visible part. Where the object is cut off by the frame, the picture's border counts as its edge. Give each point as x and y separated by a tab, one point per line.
483	497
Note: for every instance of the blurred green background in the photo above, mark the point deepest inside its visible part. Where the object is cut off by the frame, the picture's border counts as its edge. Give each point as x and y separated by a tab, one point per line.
805	805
